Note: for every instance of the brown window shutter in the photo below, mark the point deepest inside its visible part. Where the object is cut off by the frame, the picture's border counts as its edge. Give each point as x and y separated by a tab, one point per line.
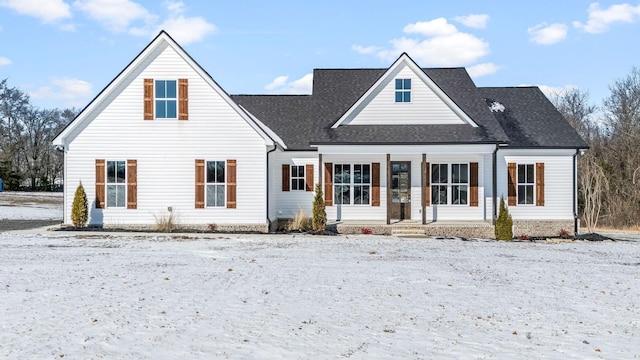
511	185
427	184
328	184
308	177
473	184
100	174
183	99
132	184
375	184
539	184
199	184
148	99
286	177
231	184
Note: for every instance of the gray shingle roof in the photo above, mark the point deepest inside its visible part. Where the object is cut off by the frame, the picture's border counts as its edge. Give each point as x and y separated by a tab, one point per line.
336	90
530	119
286	115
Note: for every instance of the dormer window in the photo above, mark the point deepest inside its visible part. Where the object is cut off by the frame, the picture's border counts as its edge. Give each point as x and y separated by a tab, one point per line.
403	90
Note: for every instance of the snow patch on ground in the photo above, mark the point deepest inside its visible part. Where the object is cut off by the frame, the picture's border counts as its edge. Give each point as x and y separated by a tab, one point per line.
30	206
92	295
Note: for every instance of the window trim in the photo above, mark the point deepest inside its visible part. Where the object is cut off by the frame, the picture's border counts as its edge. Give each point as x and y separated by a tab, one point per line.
165	99
207	183
352	184
449	184
294	179
526	184
123	184
403	89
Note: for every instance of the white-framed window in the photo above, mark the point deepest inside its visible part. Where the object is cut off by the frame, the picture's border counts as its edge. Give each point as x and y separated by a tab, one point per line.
166	99
403	90
450	184
297	177
352	184
116	183
526	184
216	184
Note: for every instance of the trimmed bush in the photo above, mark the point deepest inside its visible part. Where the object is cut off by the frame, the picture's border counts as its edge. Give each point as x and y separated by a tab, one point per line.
319	219
79	210
504	224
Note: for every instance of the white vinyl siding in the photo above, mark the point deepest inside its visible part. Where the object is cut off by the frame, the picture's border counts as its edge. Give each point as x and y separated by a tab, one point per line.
425	106
558	186
285	204
166	151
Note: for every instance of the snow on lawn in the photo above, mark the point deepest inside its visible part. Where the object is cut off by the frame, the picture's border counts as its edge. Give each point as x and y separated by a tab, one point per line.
30	206
139	296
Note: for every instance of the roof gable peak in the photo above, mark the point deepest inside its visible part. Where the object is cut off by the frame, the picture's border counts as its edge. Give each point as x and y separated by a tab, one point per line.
431	96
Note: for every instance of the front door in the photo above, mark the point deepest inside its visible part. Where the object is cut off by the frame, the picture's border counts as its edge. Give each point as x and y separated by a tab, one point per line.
400	206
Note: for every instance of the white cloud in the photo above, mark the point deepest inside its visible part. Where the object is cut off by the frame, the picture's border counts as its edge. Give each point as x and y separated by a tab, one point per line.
46	10
187	30
277	82
553	91
600	19
435	27
4	61
73	92
480	70
115	15
280	85
438	44
365	49
478	21
545	34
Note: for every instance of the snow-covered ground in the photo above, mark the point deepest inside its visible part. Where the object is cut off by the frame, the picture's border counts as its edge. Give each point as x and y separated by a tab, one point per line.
136	296
30	206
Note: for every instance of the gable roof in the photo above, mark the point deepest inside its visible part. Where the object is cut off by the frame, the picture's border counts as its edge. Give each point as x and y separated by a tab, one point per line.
336	90
148	53
403	61
530	119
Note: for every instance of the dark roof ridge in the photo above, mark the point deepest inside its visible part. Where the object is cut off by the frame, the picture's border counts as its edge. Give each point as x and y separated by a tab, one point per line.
279	95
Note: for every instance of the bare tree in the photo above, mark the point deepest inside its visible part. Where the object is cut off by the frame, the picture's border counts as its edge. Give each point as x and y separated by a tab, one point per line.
620	157
593	184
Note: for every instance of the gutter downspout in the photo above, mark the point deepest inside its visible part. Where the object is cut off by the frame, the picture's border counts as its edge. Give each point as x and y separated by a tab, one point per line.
63	150
495	184
267	207
575	192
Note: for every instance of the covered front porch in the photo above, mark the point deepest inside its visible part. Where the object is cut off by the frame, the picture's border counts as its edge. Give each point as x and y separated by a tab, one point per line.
407	185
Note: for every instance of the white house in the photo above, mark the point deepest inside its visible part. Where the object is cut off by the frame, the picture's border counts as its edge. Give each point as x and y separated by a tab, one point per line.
398	145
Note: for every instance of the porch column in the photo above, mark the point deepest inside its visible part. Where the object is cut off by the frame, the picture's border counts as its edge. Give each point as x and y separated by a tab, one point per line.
320	171
422	189
388	188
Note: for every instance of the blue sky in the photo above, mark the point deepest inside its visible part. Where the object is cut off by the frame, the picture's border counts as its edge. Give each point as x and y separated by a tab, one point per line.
63	52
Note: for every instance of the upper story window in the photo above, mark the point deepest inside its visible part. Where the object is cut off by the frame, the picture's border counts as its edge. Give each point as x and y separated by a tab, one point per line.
166	99
403	90
526	184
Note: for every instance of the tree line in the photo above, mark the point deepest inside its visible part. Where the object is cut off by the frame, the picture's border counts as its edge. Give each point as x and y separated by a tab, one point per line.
27	158
609	171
